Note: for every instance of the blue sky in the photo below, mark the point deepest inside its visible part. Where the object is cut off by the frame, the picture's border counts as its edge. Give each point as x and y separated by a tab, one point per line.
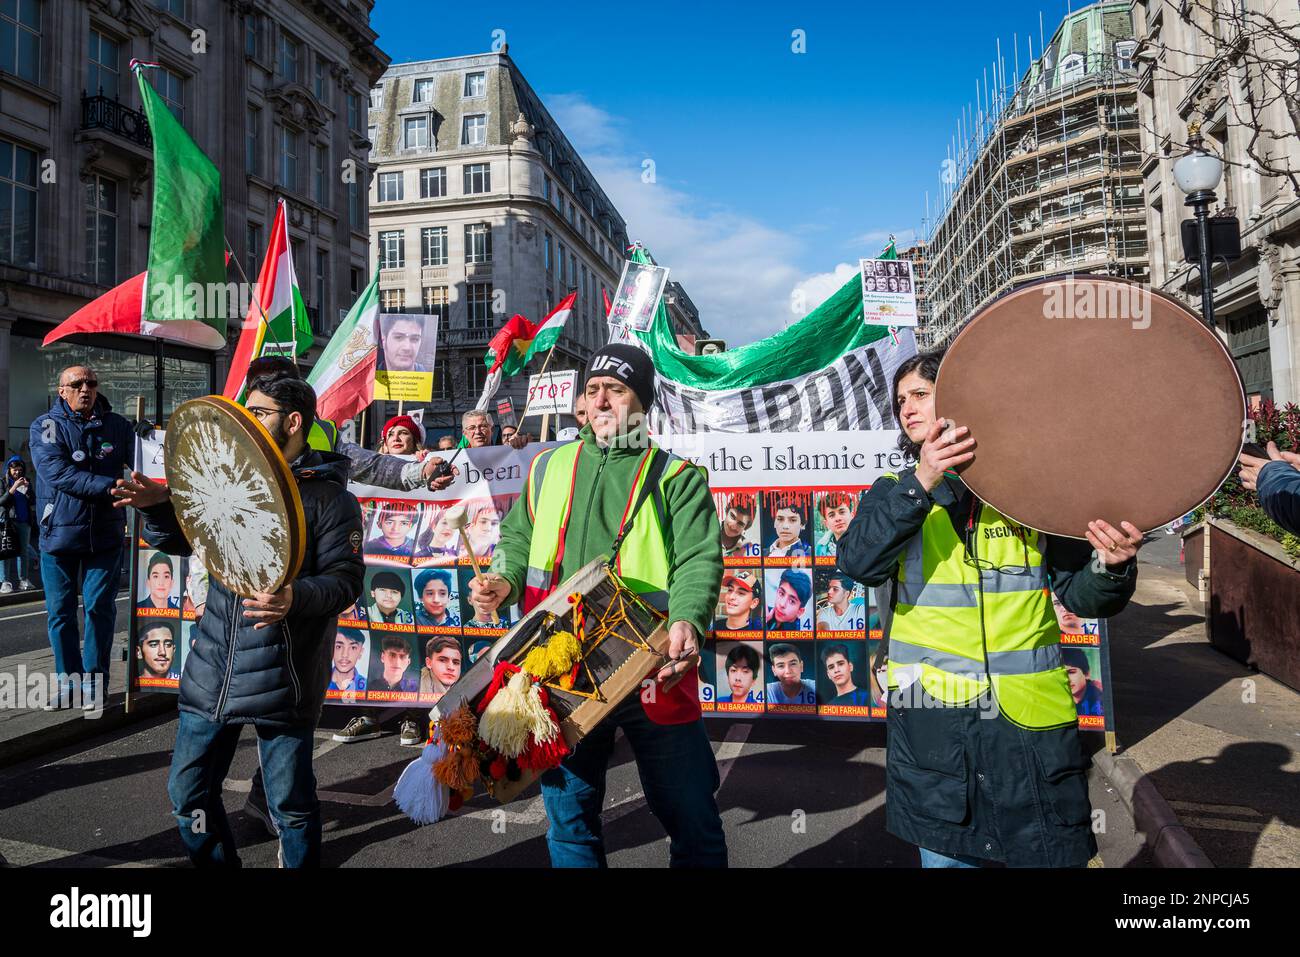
774	170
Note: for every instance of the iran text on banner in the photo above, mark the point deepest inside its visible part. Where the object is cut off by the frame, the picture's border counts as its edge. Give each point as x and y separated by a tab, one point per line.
344	375
828	371
277	322
183	295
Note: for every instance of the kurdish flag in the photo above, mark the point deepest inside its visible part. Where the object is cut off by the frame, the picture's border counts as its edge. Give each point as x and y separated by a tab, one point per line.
344	376
518	341
182	296
277	322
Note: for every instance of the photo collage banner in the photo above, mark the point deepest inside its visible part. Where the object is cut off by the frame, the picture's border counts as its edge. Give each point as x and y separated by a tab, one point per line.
791	635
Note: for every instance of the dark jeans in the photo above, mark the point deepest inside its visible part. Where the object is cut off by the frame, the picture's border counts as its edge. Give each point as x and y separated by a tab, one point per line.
678	774
98	573
204	750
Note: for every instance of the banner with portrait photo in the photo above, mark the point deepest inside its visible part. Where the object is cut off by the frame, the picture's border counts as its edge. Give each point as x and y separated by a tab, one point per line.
408	344
791	636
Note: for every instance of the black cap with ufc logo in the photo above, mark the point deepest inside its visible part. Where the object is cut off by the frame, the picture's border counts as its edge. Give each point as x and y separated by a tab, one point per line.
628	365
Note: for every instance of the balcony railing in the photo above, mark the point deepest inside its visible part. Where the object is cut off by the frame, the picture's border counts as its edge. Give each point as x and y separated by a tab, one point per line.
101	113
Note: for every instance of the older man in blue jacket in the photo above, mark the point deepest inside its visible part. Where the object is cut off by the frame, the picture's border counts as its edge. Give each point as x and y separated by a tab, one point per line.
79	449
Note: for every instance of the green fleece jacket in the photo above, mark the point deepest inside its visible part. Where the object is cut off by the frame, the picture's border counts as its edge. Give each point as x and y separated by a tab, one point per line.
600	494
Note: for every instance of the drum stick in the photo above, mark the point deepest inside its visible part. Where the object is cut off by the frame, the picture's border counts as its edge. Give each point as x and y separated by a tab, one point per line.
458	518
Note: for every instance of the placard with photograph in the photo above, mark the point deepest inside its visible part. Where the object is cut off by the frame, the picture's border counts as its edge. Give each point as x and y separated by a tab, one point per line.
888	292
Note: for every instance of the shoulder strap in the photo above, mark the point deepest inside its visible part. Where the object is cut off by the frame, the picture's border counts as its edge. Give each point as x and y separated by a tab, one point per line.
654	474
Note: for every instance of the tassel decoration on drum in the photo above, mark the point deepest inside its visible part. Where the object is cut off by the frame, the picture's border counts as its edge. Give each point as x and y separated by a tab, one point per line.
509	717
418	794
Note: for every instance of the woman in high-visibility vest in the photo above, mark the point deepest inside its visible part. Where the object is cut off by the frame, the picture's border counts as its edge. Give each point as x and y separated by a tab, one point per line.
984	757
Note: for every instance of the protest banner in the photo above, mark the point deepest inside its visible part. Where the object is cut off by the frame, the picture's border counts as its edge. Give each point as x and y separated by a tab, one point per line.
550	393
888	292
790	637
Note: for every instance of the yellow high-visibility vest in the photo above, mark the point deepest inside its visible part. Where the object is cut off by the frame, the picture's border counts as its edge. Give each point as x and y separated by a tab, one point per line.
967	619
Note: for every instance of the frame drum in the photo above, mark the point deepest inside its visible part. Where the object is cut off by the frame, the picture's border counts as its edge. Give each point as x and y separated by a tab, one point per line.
235	497
1092	398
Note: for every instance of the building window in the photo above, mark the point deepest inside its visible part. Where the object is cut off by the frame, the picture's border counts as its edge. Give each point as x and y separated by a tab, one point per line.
560	202
415	133
392	250
290	59
175	7
377	97
373	138
475	84
475	375
251	29
390	187
17	204
252	247
354	111
563	267
478	243
546	247
290	149
573	270
101	230
478	178
473	130
433	182
546	188
171	87
321	86
356	209
433	246
320	174
253	142
441	381
392	300
478	302
423	91
322	287
102	74
354	282
436	302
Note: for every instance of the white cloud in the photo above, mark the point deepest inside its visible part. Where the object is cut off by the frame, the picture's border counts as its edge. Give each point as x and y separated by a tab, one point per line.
815	290
738	270
877	239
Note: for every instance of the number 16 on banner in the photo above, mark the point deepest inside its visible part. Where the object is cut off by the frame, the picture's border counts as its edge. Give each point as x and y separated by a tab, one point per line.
551	393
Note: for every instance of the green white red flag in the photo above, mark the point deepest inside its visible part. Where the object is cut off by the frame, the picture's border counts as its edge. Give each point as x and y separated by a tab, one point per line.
182	296
344	376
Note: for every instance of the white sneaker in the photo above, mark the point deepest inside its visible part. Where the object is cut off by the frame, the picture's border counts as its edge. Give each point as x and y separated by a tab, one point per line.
410	735
25	585
360	728
6	588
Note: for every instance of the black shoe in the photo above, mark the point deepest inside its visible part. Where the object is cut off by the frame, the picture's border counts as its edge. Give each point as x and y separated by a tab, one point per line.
256	808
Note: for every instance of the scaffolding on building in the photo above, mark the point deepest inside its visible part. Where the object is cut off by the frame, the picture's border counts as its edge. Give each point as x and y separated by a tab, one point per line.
1043	177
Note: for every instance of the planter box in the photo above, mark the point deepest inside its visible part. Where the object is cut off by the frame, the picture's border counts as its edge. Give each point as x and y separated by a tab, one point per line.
1194	553
1254	592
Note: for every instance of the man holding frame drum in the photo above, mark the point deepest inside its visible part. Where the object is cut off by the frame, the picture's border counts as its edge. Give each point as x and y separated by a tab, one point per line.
262	659
579	504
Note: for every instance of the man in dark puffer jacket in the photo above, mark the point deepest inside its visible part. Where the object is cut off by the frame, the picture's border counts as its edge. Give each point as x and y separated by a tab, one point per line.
263	660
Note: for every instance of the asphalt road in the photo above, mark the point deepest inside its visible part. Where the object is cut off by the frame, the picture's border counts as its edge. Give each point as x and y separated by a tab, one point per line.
794	793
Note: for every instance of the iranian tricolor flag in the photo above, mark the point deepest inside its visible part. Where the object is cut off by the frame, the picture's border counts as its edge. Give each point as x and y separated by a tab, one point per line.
277	322
182	296
344	376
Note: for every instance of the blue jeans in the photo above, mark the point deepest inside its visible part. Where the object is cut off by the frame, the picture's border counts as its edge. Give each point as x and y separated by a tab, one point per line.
678	774
935	859
200	762
98	573
22	567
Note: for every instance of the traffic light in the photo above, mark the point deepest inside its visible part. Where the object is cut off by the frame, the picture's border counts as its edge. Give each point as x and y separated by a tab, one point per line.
708	347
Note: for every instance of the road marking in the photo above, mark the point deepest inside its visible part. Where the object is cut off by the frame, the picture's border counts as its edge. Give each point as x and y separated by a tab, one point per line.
23	854
1216	824
1215	808
43	611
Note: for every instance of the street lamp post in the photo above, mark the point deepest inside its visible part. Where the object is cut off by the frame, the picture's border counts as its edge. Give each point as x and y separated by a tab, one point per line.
1197	173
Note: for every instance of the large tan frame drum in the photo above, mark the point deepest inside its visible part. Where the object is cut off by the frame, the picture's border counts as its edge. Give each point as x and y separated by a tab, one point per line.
234	495
1092	398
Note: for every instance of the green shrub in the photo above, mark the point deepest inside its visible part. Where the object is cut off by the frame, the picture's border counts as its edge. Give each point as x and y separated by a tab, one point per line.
1239	505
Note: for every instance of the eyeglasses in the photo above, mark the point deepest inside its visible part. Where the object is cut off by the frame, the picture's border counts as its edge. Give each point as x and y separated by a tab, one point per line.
76	384
263	412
